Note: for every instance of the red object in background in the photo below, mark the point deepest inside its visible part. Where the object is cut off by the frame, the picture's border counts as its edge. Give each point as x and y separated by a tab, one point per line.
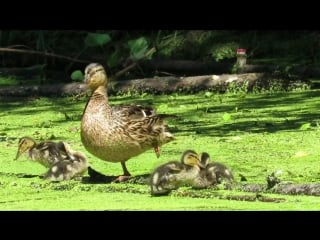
241	51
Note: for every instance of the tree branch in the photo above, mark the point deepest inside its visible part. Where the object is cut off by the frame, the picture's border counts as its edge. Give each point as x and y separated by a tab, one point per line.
132	65
53	55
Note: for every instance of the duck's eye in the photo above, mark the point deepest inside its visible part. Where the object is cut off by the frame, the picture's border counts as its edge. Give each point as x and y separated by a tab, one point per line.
98	70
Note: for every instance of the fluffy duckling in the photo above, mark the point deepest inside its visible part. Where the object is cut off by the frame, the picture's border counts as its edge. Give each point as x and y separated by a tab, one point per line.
222	172
161	179
212	174
173	174
118	133
75	166
46	153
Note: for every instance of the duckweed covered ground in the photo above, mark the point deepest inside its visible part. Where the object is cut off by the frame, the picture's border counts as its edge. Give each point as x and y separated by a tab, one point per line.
253	134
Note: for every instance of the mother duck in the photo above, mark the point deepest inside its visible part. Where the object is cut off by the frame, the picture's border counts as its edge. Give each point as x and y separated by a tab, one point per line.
118	133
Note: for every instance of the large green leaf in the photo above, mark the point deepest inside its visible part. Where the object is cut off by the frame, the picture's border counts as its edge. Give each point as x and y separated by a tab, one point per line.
114	59
77	75
97	39
138	48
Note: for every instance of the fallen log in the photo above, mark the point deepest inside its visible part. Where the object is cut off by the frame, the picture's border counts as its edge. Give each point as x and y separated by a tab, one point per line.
154	85
202	68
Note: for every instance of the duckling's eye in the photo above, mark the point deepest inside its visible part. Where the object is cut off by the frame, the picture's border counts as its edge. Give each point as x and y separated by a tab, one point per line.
97	70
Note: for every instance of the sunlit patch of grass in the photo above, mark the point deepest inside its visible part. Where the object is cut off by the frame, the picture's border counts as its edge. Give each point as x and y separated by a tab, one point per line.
254	136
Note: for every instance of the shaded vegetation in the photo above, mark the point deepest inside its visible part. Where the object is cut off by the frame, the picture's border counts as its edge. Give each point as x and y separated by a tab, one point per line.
117	49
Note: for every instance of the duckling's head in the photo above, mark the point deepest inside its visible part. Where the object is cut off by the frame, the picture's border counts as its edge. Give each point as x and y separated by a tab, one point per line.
95	76
25	144
191	158
204	158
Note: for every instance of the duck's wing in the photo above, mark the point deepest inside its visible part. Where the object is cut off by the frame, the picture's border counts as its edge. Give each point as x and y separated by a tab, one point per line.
221	171
133	112
65	151
49	148
136	112
175	167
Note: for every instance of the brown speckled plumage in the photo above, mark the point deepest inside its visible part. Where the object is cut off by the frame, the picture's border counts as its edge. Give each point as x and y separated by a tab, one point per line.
213	173
118	133
75	166
46	153
174	174
62	161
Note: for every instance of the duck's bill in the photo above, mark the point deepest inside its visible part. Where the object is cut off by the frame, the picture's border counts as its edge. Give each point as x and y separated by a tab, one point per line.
18	155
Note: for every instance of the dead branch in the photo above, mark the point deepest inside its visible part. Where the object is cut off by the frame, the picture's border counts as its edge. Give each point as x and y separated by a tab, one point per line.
134	64
44	54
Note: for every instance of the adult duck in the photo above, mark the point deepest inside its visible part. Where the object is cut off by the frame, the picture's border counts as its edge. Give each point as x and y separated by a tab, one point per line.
118	133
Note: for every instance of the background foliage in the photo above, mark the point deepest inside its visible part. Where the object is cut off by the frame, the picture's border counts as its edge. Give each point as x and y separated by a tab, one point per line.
116	49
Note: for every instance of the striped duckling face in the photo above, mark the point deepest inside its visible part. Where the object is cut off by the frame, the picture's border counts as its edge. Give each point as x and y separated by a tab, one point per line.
25	144
191	158
214	172
204	159
46	153
95	76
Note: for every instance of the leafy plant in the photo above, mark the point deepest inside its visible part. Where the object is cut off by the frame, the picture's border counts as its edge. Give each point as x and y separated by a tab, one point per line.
222	51
96	39
235	88
114	58
77	75
138	47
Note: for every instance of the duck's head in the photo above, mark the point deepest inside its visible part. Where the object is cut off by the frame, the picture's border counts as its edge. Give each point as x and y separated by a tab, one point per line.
191	158
95	76
204	158
25	144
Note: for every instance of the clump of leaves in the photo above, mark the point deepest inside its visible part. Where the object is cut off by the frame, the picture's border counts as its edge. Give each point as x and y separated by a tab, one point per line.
224	51
138	49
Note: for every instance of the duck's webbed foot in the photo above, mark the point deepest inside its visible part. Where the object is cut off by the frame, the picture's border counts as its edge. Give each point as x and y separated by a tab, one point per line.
121	179
157	151
126	174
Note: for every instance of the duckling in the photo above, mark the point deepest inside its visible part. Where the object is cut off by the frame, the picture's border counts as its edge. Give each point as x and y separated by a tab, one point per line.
207	175
192	168
174	174
161	180
212	174
67	169
222	172
46	153
118	133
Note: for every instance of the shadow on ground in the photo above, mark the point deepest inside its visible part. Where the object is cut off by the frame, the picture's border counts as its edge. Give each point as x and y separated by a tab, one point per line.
97	177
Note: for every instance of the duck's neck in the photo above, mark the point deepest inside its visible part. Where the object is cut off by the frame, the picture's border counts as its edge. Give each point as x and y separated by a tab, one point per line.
100	95
101	92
